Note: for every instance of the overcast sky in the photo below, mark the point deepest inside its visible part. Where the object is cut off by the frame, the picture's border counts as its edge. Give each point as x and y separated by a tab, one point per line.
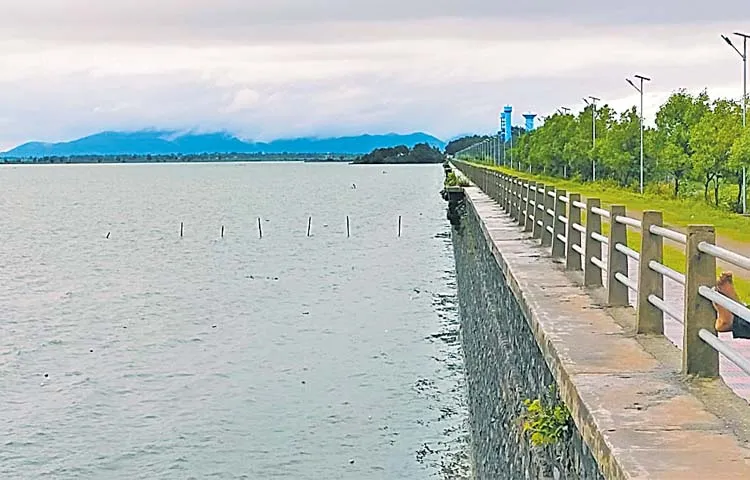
267	69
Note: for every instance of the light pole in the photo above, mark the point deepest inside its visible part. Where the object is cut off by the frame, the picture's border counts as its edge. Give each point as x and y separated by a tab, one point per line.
593	139
564	111
743	55
640	90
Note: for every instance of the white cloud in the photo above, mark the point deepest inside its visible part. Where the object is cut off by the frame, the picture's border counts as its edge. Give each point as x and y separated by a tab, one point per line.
285	68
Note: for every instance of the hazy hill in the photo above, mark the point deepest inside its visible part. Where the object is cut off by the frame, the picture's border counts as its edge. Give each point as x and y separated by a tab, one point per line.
152	142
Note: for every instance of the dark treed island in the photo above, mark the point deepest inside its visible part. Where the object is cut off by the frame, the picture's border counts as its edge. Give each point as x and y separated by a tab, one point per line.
421	153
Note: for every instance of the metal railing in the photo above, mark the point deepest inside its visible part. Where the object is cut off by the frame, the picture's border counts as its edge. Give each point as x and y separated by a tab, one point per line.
555	217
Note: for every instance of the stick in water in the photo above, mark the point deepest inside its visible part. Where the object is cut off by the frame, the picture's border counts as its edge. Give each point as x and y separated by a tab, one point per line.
222	231
309	224
399	226
347	226
260	229
182	226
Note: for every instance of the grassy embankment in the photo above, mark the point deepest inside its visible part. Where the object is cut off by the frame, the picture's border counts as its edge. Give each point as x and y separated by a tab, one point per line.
677	214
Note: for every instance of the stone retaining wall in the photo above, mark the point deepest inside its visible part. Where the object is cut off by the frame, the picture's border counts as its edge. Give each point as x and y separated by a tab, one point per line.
504	367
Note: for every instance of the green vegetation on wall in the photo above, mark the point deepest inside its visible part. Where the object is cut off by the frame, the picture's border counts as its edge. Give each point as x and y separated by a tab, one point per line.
546	423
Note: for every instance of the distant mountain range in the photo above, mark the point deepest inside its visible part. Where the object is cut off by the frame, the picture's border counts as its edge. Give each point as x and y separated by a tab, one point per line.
159	142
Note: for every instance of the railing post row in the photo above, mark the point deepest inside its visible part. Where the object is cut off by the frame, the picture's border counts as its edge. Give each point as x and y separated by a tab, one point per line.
650	319
699	358
592	275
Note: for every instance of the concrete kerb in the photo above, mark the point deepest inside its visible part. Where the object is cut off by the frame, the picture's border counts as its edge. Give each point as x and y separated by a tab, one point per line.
581	347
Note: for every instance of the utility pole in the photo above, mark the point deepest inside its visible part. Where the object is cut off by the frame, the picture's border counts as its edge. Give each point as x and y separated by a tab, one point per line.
743	55
593	138
564	111
640	90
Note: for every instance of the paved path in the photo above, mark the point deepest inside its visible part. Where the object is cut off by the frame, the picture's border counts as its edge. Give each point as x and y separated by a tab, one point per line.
674	293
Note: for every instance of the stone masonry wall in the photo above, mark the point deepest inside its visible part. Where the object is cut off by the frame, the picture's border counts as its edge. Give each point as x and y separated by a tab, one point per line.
504	367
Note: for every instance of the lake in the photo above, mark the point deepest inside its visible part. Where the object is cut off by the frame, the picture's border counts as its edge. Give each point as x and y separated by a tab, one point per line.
127	351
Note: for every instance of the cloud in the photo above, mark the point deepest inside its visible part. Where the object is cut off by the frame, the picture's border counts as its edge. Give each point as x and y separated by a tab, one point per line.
282	68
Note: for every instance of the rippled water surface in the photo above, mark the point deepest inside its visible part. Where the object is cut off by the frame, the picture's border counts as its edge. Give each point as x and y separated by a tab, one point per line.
147	355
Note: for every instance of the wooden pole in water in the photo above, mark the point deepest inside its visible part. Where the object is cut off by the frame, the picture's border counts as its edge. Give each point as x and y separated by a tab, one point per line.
108	233
347	226
260	229
399	226
182	228
309	224
222	231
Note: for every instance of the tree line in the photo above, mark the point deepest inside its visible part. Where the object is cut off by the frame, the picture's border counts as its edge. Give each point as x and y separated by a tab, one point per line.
420	153
697	147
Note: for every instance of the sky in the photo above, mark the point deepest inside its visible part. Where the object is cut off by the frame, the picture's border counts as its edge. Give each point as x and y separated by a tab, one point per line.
268	69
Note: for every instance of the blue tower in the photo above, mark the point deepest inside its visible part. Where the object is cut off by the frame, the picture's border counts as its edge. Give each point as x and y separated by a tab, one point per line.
507	117
529	121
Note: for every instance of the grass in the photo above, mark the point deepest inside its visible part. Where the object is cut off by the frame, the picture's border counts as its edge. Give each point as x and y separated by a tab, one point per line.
676	213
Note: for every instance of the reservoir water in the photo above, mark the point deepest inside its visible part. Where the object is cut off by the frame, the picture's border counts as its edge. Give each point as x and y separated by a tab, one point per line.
149	356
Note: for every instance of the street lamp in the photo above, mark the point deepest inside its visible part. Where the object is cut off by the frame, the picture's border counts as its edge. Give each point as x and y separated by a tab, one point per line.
640	90
593	141
743	55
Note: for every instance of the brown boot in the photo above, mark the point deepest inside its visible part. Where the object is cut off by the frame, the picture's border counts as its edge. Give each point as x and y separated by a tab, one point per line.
725	318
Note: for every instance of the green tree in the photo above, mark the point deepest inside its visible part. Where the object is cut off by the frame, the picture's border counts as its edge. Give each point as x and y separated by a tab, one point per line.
712	140
620	148
739	157
675	120
459	144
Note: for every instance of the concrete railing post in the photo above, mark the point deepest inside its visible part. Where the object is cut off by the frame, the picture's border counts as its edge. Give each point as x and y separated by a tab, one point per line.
573	258
549	204
538	200
558	246
511	192
497	186
699	358
506	193
650	319
502	187
498	190
490	185
516	194
617	262
523	192
530	204
592	275
508	190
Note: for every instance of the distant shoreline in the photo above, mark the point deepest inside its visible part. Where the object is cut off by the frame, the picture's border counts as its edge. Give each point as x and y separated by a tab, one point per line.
161	159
